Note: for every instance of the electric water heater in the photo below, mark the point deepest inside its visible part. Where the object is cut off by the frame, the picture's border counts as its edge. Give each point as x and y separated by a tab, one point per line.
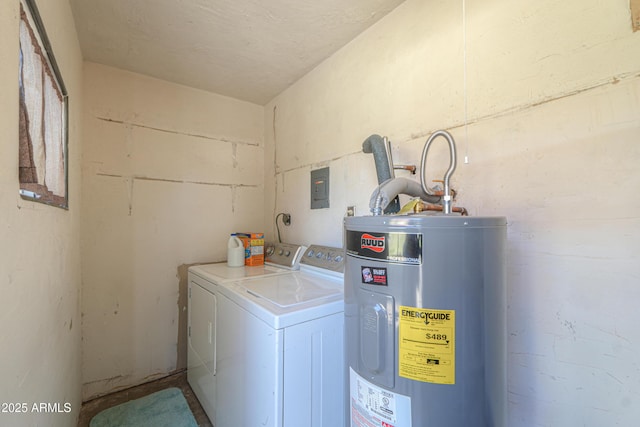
425	321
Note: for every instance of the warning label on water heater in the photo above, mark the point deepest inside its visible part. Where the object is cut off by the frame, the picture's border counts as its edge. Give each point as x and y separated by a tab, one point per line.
426	345
374	406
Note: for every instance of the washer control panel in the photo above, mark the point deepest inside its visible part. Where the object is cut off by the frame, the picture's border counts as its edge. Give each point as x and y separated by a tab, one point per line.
326	257
285	255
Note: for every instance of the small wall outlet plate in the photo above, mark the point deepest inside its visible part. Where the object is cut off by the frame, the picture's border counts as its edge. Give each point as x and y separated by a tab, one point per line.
351	211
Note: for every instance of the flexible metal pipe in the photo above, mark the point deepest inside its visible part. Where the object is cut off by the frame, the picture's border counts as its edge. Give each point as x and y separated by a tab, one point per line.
446	199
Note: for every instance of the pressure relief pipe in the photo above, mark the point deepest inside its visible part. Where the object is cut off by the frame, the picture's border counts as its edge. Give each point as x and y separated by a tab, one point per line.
446	198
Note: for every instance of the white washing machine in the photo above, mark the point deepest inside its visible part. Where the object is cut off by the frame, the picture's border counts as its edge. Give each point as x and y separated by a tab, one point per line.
279	359
204	320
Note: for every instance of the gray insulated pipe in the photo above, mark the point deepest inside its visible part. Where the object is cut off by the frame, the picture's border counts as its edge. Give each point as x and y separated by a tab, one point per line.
391	188
384	167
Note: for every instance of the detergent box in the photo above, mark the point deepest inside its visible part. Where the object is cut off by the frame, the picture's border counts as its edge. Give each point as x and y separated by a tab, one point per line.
253	248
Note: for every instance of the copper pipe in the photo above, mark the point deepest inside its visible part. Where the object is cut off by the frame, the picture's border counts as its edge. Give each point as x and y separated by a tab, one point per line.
441	192
410	168
422	206
461	210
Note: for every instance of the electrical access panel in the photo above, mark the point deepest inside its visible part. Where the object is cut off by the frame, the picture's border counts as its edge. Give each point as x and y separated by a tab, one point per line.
320	188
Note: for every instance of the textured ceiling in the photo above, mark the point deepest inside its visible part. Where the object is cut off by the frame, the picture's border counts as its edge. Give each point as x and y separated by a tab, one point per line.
246	49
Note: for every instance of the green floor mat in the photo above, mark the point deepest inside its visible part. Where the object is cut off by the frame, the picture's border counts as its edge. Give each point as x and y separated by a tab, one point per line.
165	408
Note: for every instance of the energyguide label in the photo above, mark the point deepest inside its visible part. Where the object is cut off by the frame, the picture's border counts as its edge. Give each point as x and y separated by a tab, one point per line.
426	347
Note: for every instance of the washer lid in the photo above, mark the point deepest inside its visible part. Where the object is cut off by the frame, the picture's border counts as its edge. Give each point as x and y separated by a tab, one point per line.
293	289
222	273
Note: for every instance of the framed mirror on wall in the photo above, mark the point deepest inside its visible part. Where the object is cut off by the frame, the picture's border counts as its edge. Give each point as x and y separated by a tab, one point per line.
43	136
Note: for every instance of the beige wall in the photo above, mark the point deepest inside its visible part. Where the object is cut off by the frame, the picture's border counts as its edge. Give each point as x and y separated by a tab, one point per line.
39	244
168	173
553	106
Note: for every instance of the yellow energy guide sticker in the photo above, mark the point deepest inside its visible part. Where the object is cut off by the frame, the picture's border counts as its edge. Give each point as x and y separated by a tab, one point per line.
427	345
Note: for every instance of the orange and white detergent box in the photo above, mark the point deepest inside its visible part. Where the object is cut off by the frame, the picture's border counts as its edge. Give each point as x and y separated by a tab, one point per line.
253	248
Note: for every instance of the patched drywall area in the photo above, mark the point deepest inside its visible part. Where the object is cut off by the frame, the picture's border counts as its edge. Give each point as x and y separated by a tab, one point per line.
552	143
39	247
168	172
